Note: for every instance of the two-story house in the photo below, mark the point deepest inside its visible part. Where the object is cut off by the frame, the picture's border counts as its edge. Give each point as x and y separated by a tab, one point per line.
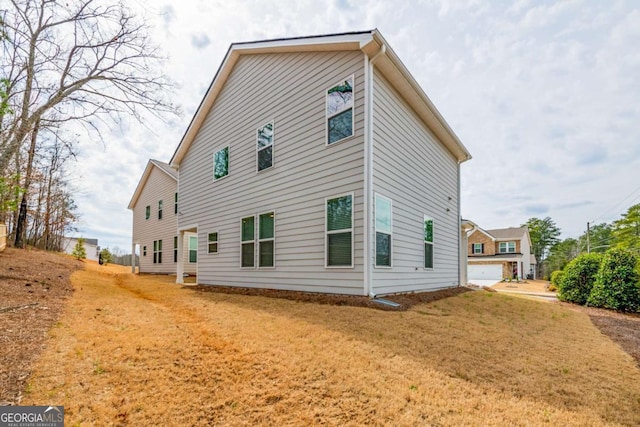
155	211
499	254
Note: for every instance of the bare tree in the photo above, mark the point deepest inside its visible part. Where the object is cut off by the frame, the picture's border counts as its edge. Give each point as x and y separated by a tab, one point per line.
68	65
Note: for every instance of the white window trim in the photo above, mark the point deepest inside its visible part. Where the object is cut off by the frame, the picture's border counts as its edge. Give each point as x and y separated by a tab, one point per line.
473	249
273	239
248	241
507	251
273	150
189	249
175	203
175	248
147	209
375	226
217	241
433	244
157	251
213	157
344	230
327	116
160	209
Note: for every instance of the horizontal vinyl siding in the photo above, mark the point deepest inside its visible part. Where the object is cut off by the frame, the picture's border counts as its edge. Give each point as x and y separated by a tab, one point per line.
288	89
159	186
419	175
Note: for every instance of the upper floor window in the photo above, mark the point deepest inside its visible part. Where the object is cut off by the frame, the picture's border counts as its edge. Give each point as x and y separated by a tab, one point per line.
383	231
478	248
221	163
147	212
265	147
159	209
507	247
175	203
339	101
339	229
428	242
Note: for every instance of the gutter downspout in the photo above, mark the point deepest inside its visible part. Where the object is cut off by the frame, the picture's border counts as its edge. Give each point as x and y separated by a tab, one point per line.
460	235
368	174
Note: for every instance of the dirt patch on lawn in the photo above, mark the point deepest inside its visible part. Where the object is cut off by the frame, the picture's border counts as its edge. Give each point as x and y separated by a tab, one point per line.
403	301
33	285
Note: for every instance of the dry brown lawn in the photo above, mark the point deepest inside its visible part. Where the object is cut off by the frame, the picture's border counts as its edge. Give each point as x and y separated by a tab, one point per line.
140	350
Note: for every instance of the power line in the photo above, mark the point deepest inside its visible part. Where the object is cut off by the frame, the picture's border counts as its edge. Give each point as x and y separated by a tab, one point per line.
617	207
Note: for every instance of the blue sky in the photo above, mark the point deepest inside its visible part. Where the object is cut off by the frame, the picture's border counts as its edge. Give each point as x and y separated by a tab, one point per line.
545	95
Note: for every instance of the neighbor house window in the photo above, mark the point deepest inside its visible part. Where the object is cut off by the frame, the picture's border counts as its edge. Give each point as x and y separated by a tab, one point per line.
175	203
339	229
507	247
478	248
157	251
159	209
265	147
221	163
247	236
175	249
339	100
383	231
144	251
193	249
147	212
212	243
428	242
266	239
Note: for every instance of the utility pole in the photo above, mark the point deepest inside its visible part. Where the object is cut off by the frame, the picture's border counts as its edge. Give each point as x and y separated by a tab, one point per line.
588	240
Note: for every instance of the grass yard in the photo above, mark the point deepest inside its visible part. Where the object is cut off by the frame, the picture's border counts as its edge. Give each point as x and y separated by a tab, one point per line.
140	350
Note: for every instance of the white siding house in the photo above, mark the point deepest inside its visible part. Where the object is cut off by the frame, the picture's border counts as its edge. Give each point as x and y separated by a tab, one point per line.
155	210
318	164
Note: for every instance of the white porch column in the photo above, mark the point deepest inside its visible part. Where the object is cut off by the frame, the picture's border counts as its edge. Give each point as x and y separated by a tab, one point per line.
180	266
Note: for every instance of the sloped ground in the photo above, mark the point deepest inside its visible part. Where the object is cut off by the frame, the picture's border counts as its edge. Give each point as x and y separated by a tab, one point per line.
140	350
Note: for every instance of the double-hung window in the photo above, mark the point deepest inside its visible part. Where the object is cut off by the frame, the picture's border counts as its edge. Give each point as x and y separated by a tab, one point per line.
157	251
248	242
221	163
159	209
339	104
266	239
175	248
144	251
478	248
175	203
265	147
212	243
383	231
507	247
193	249
428	242
339	231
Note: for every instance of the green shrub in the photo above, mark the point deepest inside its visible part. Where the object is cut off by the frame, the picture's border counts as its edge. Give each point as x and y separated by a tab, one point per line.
556	276
578	278
617	284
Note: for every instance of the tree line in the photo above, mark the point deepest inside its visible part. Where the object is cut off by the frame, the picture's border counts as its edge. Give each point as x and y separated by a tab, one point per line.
68	70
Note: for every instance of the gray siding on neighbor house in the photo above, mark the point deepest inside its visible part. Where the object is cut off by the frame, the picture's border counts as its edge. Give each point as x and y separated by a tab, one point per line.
159	186
288	89
419	175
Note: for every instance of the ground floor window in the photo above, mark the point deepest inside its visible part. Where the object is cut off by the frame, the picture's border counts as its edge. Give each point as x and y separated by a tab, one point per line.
428	242
157	251
248	245
339	231
383	231
266	239
212	243
175	249
193	249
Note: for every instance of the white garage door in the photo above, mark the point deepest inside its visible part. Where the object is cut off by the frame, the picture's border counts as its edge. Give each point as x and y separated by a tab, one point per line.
485	272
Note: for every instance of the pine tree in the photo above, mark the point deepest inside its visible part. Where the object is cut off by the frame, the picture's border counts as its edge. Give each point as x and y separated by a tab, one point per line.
79	252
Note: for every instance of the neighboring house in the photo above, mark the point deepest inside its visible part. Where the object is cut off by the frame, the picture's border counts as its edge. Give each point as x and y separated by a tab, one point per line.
90	246
498	254
319	164
155	210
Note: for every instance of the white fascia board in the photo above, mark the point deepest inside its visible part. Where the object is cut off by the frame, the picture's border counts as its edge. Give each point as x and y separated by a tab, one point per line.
143	181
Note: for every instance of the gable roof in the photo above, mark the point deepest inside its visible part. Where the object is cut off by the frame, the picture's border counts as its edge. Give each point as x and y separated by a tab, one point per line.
164	167
508	233
371	43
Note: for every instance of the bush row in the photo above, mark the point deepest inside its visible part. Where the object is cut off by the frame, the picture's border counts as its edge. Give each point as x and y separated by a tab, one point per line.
610	281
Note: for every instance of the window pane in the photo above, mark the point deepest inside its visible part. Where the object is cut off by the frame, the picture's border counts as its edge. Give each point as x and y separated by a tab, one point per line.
193	256
193	243
428	230
213	237
339	249
266	226
265	135
340	97
213	248
160	205
383	215
265	158
175	242
155	245
247	254
247	228
221	163
341	126
159	245
383	249
266	254
339	213
428	255
147	212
